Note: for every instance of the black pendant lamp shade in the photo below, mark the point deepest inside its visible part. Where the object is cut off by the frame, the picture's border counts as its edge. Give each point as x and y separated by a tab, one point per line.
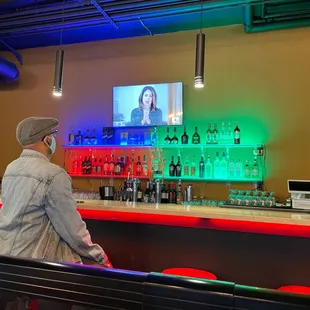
200	60
58	75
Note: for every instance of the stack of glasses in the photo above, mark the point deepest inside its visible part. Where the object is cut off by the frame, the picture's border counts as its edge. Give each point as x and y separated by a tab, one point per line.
252	198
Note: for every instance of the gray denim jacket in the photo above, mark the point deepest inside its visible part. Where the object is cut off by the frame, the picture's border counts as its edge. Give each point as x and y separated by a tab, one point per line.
39	217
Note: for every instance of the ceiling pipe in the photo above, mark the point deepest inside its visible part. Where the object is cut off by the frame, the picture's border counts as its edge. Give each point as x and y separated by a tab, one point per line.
141	14
250	25
8	71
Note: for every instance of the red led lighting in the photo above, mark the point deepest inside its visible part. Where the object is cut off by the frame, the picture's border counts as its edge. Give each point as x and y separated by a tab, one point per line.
195	222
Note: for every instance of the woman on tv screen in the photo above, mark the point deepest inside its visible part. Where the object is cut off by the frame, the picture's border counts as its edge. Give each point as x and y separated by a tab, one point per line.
147	113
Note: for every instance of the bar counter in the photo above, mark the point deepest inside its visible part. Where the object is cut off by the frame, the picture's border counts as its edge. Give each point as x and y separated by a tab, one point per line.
270	222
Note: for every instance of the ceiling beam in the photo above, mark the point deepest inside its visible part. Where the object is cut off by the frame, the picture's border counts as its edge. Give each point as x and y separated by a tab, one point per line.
102	11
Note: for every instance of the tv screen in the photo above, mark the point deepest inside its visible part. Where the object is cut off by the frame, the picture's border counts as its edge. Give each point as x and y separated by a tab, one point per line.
148	105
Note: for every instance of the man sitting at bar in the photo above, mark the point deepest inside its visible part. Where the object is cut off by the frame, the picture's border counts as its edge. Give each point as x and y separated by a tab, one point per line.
39	217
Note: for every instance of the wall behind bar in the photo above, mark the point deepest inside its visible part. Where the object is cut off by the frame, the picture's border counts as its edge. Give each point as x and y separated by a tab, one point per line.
260	80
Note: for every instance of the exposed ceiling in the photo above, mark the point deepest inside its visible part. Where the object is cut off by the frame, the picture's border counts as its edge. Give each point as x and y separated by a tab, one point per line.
34	23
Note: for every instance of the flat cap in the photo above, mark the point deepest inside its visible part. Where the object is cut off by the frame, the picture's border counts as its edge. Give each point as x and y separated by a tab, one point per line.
32	129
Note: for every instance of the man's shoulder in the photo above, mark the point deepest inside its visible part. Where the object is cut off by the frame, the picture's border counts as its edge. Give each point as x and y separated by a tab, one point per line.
38	168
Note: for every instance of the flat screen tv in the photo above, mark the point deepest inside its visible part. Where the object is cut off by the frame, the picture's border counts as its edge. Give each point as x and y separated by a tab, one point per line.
148	105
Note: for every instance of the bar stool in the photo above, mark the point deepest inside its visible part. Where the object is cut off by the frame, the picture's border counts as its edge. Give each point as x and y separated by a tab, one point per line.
297	289
190	272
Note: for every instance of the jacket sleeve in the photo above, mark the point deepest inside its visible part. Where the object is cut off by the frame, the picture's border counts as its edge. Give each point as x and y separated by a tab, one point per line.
62	211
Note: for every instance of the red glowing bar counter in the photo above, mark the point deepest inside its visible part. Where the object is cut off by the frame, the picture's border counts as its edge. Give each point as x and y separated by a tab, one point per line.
273	222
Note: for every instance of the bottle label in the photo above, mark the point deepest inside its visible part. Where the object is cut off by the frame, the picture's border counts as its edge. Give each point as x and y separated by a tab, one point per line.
145	169
117	169
186	170
139	195
193	171
237	135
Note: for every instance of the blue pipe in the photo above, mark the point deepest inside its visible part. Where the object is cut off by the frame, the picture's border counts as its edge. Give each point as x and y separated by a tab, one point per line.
8	71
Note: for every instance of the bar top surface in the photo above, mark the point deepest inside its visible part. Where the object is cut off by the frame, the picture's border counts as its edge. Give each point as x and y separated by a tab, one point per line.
277	222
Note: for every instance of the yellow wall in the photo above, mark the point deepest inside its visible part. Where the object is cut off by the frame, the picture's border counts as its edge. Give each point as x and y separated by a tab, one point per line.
262	80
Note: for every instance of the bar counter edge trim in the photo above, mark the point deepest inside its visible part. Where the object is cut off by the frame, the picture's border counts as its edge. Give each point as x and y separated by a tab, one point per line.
244	226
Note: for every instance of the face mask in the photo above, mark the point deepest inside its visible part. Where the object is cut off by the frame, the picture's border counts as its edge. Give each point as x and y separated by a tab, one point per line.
52	146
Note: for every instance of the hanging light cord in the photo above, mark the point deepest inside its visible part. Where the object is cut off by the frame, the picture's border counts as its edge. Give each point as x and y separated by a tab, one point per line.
62	25
201	16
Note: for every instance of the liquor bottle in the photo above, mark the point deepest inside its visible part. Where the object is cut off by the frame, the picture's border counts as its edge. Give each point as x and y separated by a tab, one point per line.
209	135
79	138
186	167
86	138
230	136
179	193
169	191
215	134
224	167
75	165
172	193
138	167
93	138
239	170
147	193
94	166
232	169
117	166
223	136
139	194
178	167
247	170
172	168
155	166
122	163
255	169
184	137
145	167
84	166
154	136
209	168
237	135
196	137
89	166
202	168
106	166
104	135
111	165
99	167
193	167
71	140
167	139
217	167
80	165
175	139
164	194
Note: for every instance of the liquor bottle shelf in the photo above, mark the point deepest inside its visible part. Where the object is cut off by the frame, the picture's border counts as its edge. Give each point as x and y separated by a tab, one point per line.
166	146
109	147
103	176
197	179
206	146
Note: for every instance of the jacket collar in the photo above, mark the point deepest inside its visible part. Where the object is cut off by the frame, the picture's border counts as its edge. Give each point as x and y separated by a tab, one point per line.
34	154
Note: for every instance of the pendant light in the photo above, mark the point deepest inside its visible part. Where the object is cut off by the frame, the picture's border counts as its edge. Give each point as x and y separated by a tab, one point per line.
200	56
58	75
59	68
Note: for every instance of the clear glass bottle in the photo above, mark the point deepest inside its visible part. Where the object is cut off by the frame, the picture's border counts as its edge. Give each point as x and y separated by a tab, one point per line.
186	167
217	167
202	168
209	168
193	167
209	135
215	134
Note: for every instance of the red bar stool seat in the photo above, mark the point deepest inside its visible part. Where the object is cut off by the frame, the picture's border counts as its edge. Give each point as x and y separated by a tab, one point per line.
190	272
297	289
